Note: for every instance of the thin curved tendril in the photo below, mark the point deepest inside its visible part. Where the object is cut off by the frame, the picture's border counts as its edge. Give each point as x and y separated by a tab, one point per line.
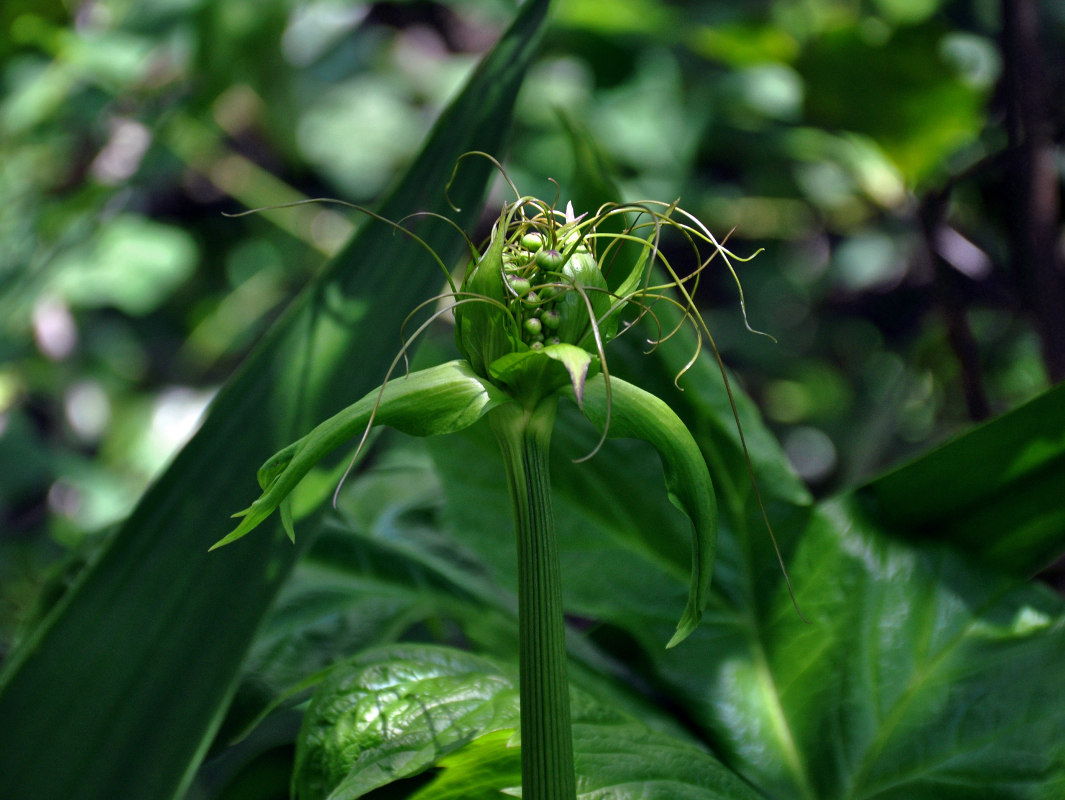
645	311
701	323
449	221
750	475
725	255
692	313
455	172
361	209
603	368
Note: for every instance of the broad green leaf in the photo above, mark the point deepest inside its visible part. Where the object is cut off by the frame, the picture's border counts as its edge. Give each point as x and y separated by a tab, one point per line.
630	412
429	402
477	771
119	690
394	712
994	492
918	676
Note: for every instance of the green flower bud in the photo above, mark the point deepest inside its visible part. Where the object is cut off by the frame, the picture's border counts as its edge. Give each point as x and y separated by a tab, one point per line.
484	330
502	323
516	259
549	260
521	286
532	241
574	323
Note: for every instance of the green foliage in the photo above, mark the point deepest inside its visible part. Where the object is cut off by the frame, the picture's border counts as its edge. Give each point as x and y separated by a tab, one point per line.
817	129
902	683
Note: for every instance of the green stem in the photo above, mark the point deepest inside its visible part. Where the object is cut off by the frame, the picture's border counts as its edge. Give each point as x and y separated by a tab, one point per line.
524	437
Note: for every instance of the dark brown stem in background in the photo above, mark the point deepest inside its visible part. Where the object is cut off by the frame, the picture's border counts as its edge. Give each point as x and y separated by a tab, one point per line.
948	296
1036	204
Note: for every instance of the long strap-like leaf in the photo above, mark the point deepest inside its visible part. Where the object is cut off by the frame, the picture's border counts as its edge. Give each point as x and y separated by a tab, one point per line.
120	690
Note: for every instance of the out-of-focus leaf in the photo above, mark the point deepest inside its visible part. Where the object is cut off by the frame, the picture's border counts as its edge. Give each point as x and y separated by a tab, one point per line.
909	100
995	492
394	712
132	263
120	689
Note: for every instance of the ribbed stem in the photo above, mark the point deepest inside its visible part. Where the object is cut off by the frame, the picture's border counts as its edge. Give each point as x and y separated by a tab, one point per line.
546	738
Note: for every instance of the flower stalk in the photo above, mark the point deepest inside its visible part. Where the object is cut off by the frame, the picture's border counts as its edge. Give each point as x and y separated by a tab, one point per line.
524	437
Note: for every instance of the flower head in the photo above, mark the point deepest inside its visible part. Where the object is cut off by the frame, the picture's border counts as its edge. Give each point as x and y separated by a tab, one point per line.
544	304
533	314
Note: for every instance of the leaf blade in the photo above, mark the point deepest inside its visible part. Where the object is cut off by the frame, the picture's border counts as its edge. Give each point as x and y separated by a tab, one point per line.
994	491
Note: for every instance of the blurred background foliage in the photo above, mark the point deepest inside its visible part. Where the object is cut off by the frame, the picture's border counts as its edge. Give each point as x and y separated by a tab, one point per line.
898	161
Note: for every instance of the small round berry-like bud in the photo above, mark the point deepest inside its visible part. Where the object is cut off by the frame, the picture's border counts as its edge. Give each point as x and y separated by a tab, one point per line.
532	241
551	319
549	259
536	346
520	285
530	298
533	326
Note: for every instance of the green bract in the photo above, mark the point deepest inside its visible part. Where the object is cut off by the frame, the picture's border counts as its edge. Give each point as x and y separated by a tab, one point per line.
530	313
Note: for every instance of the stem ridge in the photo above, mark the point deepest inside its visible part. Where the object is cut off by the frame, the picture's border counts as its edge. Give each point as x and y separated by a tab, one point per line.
524	437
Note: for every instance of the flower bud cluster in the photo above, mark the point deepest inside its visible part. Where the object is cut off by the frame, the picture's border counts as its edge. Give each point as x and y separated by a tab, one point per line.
531	269
537	289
